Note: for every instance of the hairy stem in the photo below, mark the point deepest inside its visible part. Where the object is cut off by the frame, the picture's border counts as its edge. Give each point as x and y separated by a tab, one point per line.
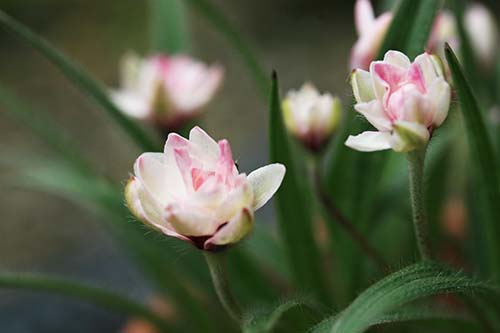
216	262
416	163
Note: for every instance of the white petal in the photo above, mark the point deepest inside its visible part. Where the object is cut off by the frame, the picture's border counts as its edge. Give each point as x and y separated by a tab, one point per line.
205	148
242	196
430	69
237	228
364	16
189	220
361	82
440	96
131	104
265	182
374	113
397	58
369	141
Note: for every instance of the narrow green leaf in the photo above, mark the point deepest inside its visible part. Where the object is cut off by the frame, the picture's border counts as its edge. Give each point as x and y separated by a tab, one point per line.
294	213
403	287
222	24
422	27
80	78
101	297
267	321
483	160
169	30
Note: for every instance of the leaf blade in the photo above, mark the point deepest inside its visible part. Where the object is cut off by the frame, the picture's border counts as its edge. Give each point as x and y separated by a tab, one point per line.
169	32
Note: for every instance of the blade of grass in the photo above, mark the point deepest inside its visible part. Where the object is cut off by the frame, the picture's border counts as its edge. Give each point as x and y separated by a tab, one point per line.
80	78
294	212
101	297
168	28
483	159
422	28
222	24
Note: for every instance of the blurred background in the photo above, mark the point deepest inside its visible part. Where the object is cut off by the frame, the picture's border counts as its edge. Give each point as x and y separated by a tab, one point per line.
302	39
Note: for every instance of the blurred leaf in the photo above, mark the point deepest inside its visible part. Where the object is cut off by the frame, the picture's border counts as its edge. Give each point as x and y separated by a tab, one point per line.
101	297
169	30
422	27
222	24
267	321
407	285
483	160
294	212
80	78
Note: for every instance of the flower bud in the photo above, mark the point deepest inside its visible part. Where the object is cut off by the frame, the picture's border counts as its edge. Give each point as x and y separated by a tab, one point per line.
311	117
404	101
481	27
165	90
371	31
443	31
193	191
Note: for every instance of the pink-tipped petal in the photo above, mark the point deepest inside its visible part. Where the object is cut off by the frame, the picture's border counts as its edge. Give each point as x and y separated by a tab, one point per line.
363	16
204	146
154	173
369	141
265	181
397	58
232	232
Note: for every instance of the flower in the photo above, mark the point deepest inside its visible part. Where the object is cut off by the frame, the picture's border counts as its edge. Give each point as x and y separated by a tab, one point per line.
444	30
311	117
404	101
165	90
194	191
482	30
371	33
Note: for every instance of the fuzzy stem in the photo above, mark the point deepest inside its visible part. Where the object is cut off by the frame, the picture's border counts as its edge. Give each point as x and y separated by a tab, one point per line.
216	262
416	161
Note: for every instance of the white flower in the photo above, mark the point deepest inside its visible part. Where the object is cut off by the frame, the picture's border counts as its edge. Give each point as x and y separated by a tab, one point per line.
165	90
193	191
481	27
311	117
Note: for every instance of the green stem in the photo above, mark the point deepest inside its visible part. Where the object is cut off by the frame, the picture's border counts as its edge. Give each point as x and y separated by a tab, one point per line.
94	295
216	262
416	161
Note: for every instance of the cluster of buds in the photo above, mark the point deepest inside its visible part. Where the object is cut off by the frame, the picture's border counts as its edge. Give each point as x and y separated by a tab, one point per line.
404	101
165	90
479	23
310	116
194	191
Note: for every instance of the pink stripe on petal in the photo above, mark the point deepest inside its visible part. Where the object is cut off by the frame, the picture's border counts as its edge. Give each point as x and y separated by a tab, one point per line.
416	76
225	164
184	164
174	141
391	74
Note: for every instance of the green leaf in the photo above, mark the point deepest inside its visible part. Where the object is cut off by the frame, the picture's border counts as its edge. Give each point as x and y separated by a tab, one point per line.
169	31
422	27
80	78
267	321
294	213
222	24
483	160
101	297
413	283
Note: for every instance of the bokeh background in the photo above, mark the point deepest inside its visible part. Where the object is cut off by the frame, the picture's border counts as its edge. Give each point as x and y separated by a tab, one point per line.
301	39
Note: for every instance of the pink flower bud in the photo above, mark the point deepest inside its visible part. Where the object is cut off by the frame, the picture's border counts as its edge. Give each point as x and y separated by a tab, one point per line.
443	31
481	27
371	32
193	191
165	90
311	117
404	101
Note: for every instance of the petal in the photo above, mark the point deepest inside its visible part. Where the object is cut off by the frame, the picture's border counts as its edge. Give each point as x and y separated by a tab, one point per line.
385	79
374	113
146	209
408	136
265	182
174	140
241	196
189	220
397	58
131	104
232	232
363	16
362	88
160	178
440	96
204	147
369	141
431	70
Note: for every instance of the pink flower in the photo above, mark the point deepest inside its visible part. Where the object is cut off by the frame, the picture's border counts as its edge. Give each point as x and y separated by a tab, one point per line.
165	90
404	101
311	117
371	33
194	191
444	30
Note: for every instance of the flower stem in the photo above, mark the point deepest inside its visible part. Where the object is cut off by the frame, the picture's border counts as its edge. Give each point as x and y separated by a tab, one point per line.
216	262
337	215
416	163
